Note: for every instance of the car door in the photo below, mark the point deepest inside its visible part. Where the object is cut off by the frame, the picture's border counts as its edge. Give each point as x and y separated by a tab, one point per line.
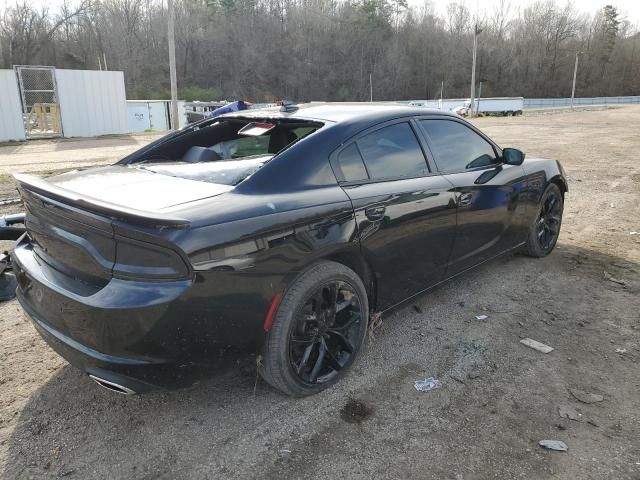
405	213
487	191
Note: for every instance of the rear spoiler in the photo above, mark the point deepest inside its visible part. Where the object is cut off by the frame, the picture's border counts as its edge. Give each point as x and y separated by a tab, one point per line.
48	190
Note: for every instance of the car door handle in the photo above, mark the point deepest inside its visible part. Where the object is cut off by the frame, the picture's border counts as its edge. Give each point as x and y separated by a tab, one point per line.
375	213
465	199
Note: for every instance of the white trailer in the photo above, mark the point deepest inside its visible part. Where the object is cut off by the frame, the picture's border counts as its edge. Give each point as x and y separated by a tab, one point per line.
452	104
424	103
484	106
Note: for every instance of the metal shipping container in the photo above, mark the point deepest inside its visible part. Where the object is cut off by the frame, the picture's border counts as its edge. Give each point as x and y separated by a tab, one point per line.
91	102
11	121
143	115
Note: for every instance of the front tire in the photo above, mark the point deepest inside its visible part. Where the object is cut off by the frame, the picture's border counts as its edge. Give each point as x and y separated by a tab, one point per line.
318	330
544	232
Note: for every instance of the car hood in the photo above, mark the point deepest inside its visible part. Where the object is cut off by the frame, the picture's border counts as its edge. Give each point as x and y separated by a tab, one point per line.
136	188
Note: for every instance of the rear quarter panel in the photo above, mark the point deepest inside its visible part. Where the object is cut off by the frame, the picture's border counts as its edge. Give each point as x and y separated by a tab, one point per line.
251	249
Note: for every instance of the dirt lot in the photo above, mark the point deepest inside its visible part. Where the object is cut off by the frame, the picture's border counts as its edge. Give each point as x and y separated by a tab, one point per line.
46	155
497	400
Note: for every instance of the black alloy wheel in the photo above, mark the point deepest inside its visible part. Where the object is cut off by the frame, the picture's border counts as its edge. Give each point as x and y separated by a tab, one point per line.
325	335
545	230
318	330
548	224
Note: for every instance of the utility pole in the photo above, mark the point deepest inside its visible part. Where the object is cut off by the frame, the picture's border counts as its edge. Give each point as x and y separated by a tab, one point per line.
575	74
175	123
479	97
476	31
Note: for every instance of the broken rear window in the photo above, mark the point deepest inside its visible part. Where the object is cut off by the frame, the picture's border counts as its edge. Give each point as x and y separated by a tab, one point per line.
225	151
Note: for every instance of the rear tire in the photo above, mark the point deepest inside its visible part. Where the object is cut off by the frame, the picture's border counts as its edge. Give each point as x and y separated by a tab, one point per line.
544	232
318	330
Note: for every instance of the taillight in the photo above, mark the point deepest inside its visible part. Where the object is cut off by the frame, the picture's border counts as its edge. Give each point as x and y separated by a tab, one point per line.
136	259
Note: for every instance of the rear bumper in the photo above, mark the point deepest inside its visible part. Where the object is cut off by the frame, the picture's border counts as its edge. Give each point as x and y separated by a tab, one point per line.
137	376
125	333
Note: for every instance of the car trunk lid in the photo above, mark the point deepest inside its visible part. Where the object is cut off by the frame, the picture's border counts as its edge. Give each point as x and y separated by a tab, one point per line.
136	188
78	243
71	218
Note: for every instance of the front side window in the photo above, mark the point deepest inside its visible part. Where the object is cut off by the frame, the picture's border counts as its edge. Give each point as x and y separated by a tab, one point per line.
457	147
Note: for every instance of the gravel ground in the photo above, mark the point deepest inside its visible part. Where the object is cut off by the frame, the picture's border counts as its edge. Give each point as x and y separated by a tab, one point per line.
497	398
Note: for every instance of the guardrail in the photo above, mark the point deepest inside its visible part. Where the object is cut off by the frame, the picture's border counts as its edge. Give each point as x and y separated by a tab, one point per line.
565	102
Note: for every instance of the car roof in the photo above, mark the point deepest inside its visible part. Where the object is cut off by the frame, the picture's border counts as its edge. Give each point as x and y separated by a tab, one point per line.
341	112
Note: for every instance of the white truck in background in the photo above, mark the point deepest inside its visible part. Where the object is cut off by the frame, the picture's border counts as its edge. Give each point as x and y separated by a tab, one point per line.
505	106
498	106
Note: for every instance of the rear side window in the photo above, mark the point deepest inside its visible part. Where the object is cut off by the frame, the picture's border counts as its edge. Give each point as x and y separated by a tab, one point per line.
351	164
457	147
392	151
389	152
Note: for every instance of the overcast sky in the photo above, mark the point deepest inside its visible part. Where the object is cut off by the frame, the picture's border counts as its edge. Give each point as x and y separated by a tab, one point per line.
627	8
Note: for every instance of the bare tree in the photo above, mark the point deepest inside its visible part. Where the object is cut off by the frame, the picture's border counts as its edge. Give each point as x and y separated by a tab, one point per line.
327	49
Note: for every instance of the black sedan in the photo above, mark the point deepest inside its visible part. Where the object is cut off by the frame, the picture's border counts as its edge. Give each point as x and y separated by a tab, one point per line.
276	231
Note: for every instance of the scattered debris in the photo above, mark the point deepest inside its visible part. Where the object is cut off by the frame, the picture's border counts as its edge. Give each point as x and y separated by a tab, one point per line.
258	367
593	422
427	384
460	304
482	317
375	321
457	378
417	308
613	279
355	411
554	445
569	412
284	451
634	233
469	348
585	397
473	374
541	347
561	427
621	350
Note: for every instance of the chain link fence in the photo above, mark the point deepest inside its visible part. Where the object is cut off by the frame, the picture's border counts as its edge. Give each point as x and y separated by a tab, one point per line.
40	108
566	102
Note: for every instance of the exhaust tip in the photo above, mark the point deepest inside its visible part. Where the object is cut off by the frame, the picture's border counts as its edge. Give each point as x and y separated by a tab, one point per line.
112	386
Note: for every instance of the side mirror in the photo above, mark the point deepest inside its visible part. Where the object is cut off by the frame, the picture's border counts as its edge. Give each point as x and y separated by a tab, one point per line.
512	156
